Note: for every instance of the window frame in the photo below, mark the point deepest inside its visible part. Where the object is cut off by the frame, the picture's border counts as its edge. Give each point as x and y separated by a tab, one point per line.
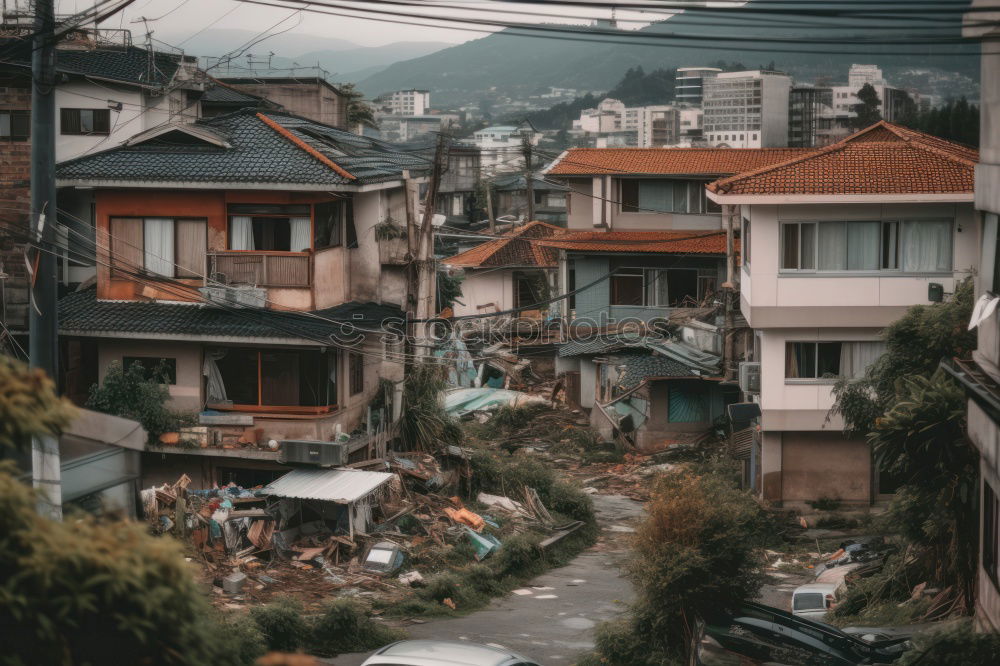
143	269
356	373
694	192
817	343
24	117
232	210
77	124
897	224
700	278
259	406
171	364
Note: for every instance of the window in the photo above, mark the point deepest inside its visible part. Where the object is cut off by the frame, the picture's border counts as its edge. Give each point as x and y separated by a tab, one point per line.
85	121
830	360
992	236
914	246
159	246
664	196
331	219
745	241
991	534
15	125
658	287
356	370
269	228
160	368
278	377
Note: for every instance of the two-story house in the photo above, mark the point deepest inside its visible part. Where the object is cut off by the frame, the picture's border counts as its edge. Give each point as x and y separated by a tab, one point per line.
837	244
242	251
106	92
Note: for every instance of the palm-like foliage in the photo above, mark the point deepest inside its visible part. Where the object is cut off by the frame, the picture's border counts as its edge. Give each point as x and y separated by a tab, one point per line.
425	424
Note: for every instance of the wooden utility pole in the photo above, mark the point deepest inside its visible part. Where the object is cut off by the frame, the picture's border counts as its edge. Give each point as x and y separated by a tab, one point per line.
426	265
489	206
529	180
43	324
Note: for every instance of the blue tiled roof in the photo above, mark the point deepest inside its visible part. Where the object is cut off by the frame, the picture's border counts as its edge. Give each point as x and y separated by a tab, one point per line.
258	154
81	312
128	64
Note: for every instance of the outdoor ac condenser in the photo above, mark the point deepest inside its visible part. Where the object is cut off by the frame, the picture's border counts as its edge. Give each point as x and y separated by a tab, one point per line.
312	452
750	377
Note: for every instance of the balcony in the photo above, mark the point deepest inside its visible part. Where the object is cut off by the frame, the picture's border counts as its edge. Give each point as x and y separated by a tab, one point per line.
262	269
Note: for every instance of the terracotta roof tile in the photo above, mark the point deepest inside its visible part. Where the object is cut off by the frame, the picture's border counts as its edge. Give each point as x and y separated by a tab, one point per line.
514	248
662	242
882	159
668	161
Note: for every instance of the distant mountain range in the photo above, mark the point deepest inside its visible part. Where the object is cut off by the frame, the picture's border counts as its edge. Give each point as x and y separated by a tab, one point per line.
524	64
345	60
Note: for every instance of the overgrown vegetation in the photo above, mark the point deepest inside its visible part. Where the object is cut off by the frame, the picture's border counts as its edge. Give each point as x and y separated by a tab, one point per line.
388	229
425	425
913	415
136	394
28	406
956	646
696	554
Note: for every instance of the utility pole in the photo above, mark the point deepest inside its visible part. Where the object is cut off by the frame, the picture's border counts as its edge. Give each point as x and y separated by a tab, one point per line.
489	206
426	266
529	181
43	323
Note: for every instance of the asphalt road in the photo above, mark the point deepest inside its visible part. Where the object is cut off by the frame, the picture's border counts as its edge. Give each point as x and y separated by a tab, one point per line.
551	619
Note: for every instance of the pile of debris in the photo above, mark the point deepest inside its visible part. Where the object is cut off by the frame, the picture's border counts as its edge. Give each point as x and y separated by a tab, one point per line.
318	533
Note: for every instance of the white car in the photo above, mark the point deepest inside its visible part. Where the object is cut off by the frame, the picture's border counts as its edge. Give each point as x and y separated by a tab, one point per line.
445	653
812	601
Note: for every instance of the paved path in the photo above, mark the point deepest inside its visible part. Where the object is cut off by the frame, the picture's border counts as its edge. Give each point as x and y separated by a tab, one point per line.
553	618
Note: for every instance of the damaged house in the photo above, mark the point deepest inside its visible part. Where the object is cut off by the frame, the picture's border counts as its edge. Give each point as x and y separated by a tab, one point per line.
239	254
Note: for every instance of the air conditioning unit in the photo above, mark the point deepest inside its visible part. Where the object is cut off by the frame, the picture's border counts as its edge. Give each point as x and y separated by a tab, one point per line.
314	452
242	296
750	377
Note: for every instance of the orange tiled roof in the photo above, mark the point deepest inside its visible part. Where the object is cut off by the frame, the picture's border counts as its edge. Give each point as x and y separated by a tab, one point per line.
668	161
882	159
514	248
663	242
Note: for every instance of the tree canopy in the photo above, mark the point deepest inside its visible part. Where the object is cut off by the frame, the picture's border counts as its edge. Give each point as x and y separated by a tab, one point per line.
868	109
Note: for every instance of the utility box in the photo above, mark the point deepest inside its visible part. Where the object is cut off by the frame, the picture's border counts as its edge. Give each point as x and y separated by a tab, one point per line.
935	292
314	452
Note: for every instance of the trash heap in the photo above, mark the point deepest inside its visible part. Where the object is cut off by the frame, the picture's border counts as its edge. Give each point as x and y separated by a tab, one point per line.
254	544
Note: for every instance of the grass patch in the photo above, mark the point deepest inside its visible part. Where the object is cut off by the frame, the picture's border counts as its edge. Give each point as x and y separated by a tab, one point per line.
345	626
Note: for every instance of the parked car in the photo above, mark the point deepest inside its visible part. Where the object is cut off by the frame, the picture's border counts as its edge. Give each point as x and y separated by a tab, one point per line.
767	634
445	653
815	599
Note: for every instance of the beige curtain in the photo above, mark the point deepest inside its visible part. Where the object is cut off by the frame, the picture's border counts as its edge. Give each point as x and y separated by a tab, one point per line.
126	245
191	246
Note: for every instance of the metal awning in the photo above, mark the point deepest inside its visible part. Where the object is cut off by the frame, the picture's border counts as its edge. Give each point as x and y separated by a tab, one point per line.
342	486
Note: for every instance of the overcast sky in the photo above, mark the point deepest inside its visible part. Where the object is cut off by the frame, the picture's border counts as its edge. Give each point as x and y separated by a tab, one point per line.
177	19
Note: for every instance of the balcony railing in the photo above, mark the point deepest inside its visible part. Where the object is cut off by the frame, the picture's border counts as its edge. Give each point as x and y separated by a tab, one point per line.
263	269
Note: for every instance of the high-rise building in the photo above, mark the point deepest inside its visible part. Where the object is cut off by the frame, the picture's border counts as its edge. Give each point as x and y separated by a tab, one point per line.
689	84
810	117
657	126
411	102
746	109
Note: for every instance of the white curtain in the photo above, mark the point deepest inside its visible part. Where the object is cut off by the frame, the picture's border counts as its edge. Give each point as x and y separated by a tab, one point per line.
862	246
241	233
926	246
656	195
656	287
215	388
300	234
855	357
832	246
158	246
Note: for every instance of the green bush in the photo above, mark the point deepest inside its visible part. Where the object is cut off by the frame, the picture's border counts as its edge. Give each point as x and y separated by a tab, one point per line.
245	641
28	405
344	626
958	646
282	624
82	592
134	395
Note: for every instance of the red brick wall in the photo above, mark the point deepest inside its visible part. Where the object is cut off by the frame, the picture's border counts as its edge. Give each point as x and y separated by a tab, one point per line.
15	204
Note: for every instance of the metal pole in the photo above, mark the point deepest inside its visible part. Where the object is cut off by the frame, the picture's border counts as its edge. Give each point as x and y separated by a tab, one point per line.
43	324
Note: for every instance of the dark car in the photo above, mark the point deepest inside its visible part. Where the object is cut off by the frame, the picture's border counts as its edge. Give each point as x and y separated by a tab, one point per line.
763	633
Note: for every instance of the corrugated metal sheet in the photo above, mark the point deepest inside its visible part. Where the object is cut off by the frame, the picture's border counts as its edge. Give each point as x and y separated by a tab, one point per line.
342	486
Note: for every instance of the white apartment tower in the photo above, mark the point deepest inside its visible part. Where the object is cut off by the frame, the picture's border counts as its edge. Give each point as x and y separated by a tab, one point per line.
406	102
746	109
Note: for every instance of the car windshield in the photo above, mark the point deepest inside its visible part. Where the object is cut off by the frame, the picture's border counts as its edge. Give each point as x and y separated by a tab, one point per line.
808	601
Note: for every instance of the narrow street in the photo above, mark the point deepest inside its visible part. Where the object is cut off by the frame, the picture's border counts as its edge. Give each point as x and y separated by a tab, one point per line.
551	619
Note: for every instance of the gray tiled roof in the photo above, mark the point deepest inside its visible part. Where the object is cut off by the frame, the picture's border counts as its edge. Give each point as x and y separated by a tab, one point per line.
258	154
222	94
128	64
641	366
81	312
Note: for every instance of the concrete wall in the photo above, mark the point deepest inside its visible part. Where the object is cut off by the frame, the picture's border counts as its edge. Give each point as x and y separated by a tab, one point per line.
777	298
314	101
365	274
597	201
186	394
481	287
844	474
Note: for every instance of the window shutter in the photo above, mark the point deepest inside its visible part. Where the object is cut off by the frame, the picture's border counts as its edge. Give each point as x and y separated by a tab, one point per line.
69	121
102	121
